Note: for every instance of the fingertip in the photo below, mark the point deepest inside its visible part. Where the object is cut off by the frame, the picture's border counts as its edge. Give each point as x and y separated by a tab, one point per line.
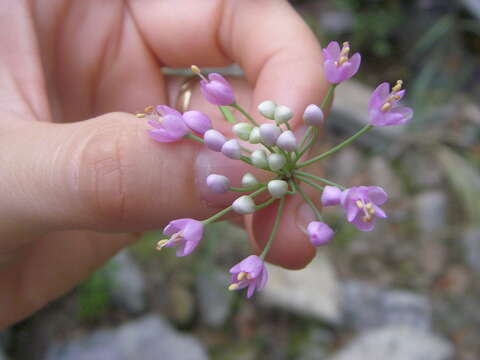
291	248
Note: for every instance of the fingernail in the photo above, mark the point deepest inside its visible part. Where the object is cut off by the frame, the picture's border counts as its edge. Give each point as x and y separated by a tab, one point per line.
303	216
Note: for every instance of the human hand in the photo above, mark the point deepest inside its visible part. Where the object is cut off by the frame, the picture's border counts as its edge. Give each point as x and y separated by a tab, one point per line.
72	188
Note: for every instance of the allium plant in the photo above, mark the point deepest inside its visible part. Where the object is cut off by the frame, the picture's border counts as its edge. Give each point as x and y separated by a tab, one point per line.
278	150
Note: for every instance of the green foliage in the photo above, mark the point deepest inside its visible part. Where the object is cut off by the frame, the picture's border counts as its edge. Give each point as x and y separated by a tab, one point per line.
93	297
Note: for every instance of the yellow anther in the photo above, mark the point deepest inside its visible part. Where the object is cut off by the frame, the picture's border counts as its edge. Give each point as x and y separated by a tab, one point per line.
233	286
149	109
249	277
195	69
140	115
359	204
371	211
398	86
386	106
241	276
343	60
161	244
369	206
367	218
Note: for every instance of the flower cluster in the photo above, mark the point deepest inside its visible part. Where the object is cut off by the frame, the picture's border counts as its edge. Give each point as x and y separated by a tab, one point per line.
274	147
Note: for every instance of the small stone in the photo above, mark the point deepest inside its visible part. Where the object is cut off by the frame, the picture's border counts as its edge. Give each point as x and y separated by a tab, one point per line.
381	173
311	291
431	211
423	170
148	338
127	283
213	298
471	246
366	306
396	343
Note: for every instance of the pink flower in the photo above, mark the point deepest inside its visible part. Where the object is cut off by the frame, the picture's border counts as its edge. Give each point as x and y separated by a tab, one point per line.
361	204
319	233
337	65
168	125
250	272
384	109
184	233
217	90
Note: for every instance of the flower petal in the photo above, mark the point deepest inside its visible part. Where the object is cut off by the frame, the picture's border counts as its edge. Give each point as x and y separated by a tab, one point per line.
363	225
167	110
379	96
251	289
377	195
332	51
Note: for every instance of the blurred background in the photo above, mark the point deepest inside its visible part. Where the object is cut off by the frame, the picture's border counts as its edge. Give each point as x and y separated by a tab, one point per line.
410	290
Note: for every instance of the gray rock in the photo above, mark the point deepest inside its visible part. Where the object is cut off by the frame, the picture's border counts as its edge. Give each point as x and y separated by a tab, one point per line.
2	355
431	211
396	343
365	306
423	169
312	291
381	173
471	246
346	165
336	21
213	298
148	338
4	338
127	283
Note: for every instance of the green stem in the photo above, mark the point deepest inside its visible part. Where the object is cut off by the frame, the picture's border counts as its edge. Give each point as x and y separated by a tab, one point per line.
274	229
305	136
265	204
318	215
309	145
246	189
244	113
195	138
336	148
316	186
221	213
227	114
313	177
293	186
329	95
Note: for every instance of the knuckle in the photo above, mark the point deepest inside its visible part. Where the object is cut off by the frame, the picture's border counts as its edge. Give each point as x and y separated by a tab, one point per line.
107	172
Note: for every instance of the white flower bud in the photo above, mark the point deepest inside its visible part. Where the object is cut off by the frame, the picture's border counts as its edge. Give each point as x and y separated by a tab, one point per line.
313	115
249	180
287	141
276	161
259	159
244	205
242	130
267	109
255	137
277	188
269	133
282	114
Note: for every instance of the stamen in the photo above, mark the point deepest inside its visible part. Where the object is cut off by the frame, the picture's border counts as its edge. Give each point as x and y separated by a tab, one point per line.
343	60
140	115
367	218
398	86
249	277
370	208
161	244
241	276
149	109
359	203
196	70
385	107
233	286
345	49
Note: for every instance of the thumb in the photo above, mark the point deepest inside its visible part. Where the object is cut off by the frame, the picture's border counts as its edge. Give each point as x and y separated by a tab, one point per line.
105	174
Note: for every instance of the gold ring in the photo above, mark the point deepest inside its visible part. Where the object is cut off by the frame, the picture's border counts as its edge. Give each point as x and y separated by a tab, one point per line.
185	94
